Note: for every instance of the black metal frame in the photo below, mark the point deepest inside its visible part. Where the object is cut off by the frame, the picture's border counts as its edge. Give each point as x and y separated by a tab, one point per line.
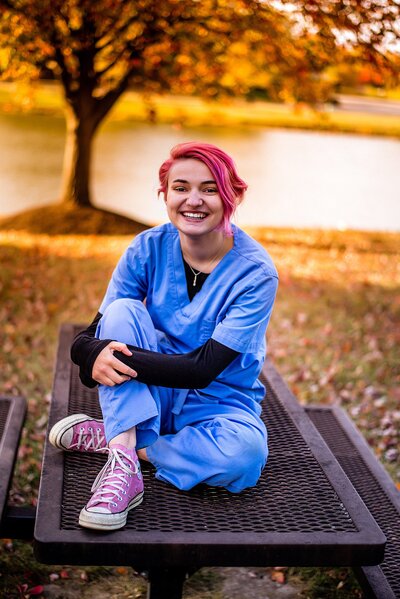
16	522
351	450
14	409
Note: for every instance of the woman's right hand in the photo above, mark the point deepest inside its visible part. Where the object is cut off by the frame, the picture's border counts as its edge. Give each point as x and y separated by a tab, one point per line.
110	371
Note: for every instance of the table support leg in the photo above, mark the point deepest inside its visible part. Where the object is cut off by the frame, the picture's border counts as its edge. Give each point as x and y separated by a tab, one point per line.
165	583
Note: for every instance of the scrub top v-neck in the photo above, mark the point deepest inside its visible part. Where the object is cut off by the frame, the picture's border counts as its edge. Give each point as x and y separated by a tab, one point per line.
187	307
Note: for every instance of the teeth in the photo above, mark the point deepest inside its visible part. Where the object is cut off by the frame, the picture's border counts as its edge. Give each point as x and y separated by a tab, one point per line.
194	215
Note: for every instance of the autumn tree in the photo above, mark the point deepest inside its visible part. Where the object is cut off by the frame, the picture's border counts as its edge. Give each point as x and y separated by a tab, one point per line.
99	49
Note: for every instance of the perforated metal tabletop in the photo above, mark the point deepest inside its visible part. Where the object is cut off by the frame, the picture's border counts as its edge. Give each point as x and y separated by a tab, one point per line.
303	511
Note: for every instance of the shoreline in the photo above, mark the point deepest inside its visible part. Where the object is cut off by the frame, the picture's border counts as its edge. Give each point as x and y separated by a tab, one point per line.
45	99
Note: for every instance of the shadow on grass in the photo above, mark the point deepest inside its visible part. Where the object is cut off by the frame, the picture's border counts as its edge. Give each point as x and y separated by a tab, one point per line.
67	219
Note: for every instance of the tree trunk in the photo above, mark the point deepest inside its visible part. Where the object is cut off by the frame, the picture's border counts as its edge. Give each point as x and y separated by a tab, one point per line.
77	159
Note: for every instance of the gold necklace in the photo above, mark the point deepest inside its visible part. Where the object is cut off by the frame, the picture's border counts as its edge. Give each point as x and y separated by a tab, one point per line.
196	274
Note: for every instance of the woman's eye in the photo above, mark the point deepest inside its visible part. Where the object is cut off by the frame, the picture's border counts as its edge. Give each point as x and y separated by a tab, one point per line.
179	188
211	190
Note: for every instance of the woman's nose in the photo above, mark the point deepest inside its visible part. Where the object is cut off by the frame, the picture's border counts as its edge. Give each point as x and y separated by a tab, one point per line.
194	198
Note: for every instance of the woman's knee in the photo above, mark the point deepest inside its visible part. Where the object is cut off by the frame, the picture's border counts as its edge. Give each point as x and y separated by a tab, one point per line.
244	457
251	455
127	320
122	309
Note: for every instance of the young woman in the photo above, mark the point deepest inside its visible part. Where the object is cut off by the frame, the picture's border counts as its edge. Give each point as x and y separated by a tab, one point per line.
177	347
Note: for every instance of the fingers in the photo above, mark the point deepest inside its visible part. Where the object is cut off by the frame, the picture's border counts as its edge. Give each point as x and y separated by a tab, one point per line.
114	379
122	347
125	350
117	364
109	377
108	370
123	368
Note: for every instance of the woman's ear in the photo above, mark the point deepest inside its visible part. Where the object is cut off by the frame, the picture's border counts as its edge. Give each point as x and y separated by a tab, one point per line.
164	195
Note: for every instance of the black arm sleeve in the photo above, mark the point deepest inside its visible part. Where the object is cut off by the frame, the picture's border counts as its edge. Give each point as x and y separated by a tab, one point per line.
193	370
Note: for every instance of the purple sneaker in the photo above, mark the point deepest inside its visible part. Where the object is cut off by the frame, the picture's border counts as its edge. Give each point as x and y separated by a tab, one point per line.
117	489
79	433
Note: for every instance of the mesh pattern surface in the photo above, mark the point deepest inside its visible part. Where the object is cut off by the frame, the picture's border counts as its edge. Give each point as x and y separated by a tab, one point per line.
372	493
4	410
293	494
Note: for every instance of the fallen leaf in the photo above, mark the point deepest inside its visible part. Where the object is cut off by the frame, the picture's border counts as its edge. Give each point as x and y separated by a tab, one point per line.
38	590
278	576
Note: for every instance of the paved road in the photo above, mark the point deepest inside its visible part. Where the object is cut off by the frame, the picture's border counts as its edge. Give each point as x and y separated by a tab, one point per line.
371	105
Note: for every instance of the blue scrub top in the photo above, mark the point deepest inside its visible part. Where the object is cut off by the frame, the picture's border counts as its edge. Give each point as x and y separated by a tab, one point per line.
233	306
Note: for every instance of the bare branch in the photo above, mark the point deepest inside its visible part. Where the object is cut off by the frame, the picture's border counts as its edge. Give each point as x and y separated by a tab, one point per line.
62	17
117	57
66	77
104	104
119	31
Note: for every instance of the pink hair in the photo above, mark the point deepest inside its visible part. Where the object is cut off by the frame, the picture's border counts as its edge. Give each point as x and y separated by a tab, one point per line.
230	186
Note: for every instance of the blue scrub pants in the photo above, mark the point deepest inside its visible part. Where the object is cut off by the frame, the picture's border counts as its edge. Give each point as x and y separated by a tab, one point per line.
189	445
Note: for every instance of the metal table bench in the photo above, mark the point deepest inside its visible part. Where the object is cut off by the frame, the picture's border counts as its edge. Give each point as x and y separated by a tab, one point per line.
376	489
12	417
303	511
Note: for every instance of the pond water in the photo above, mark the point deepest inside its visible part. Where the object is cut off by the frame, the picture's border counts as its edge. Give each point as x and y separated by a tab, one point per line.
296	178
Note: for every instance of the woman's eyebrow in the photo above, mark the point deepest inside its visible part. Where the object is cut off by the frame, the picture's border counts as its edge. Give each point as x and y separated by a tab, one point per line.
202	183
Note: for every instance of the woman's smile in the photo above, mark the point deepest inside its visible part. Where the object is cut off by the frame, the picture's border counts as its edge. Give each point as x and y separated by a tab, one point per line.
194	215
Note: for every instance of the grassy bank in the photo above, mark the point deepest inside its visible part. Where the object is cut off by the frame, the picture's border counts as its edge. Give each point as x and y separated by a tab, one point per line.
334	336
46	98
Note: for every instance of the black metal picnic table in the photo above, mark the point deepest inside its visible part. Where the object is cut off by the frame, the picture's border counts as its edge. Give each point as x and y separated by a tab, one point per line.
304	510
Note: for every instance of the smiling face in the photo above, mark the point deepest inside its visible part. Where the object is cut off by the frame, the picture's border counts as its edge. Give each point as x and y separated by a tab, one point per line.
193	202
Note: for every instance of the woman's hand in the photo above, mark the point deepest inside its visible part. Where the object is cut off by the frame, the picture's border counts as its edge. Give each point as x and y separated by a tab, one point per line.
110	371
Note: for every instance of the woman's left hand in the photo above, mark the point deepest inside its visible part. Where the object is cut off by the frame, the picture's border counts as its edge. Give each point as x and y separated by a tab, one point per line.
108	370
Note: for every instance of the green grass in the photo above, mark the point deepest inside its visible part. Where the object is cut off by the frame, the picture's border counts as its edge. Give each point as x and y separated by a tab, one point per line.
327	583
46	97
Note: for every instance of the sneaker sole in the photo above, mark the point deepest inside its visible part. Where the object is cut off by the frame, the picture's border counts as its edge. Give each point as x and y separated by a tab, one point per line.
107	521
59	428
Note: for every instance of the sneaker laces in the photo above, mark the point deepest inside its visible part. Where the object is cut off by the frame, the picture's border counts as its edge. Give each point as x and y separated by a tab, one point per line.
88	439
109	481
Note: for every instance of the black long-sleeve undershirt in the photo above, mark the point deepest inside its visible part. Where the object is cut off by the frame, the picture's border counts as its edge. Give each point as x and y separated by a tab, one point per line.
193	370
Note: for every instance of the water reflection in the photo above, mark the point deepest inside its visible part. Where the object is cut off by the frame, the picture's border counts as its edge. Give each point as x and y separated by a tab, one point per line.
301	179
